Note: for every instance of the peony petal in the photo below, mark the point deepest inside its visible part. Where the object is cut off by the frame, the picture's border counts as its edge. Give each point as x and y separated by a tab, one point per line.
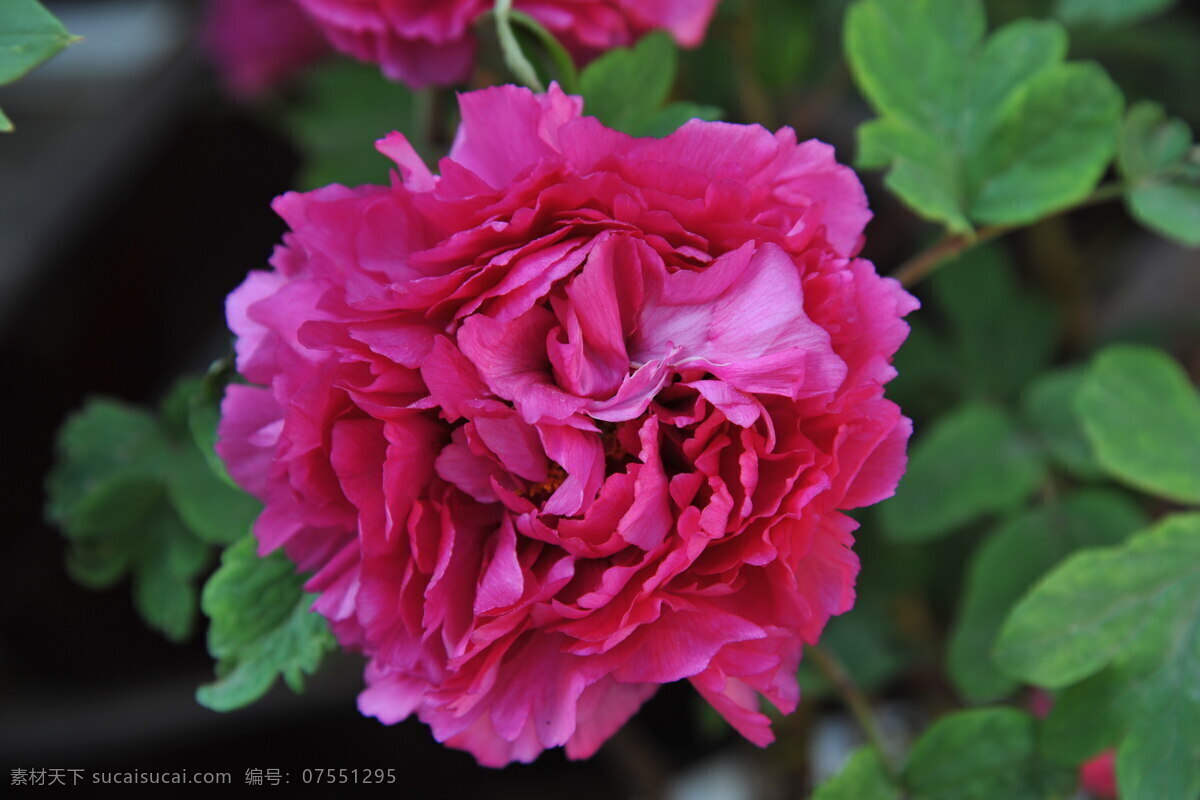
742	319
506	129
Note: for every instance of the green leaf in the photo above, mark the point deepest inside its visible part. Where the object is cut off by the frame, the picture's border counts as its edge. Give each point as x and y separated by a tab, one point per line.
925	382
165	566
1048	407
1000	335
1169	208
1161	755
971	463
347	106
108	493
984	754
1150	142
1108	12
784	37
863	778
261	627
1136	610
213	510
203	495
204	414
1098	605
1142	417
1100	712
625	87
29	35
667	120
994	131
107	441
201	491
1162	168
1090	716
135	496
104	527
1050	148
1011	559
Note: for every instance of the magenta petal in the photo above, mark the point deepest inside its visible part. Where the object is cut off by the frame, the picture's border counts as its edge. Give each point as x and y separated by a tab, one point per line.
684	643
413	171
580	455
453	381
603	708
648	520
469	471
506	129
737	703
511	358
502	583
515	443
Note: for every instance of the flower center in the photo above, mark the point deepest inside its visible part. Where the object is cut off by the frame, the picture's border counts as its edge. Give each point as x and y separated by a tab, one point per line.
616	458
539	493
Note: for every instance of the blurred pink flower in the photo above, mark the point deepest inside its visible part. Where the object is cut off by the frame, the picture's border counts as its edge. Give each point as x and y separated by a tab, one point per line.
575	418
257	44
1099	776
421	43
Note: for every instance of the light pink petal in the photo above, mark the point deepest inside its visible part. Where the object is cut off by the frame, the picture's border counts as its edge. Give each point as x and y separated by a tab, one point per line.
738	407
597	312
390	697
742	318
251	422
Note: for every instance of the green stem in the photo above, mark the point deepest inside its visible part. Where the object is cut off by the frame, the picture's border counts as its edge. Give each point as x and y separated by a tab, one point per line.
514	57
568	77
837	674
911	272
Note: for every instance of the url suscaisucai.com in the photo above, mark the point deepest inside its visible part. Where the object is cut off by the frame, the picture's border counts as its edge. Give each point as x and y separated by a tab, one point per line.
63	776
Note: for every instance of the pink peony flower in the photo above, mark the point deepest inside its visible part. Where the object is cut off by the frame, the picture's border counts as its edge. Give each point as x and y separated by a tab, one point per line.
574	419
421	43
257	44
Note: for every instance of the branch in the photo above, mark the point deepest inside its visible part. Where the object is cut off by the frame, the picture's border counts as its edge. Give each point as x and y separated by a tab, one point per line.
911	272
835	671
